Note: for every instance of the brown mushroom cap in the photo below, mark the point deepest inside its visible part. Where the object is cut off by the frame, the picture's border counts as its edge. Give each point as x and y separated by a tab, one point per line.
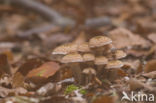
114	64
99	41
65	49
88	57
120	54
101	60
71	58
89	70
84	47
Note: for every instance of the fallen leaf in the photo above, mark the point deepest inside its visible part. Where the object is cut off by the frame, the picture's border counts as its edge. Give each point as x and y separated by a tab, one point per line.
46	70
150	66
29	65
104	99
18	80
124	38
135	84
150	75
152	37
121	73
4	65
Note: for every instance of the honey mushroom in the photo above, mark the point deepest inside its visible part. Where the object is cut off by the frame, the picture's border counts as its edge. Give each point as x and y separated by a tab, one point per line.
112	67
119	54
99	44
64	49
100	63
89	59
74	60
89	73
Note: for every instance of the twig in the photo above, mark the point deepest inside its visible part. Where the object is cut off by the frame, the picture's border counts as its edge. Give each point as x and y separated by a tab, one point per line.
45	11
37	30
97	22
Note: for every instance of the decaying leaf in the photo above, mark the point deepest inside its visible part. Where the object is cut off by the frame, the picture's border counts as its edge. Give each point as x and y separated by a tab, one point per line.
104	99
150	75
123	38
4	65
46	70
152	37
29	65
150	66
18	80
138	85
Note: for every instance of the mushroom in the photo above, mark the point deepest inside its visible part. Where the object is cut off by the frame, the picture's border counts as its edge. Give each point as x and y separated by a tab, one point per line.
65	49
112	69
84	47
100	61
119	54
88	58
114	64
99	42
89	74
74	59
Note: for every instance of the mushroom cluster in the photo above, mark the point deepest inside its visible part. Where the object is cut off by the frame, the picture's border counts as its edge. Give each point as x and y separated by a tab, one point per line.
88	59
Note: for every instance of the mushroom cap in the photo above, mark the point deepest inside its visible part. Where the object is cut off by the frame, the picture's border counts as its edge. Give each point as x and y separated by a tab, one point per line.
114	64
101	60
65	49
89	70
88	57
120	54
71	58
84	47
99	41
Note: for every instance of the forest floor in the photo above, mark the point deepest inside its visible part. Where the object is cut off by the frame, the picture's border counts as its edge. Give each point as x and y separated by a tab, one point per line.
30	30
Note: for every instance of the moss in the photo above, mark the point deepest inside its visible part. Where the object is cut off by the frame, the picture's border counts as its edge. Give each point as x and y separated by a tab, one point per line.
71	88
82	91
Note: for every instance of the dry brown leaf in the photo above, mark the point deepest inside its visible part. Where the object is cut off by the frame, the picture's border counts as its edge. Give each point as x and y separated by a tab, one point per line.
29	65
150	75
123	38
4	65
8	53
46	70
152	37
137	85
121	73
104	99
18	80
150	66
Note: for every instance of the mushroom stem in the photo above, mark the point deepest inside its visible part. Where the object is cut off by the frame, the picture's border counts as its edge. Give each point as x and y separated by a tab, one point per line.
76	70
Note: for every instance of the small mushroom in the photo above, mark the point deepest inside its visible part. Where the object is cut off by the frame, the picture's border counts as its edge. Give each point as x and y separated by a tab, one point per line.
88	59
84	47
89	74
99	42
114	64
100	61
74	59
119	54
65	49
112	69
